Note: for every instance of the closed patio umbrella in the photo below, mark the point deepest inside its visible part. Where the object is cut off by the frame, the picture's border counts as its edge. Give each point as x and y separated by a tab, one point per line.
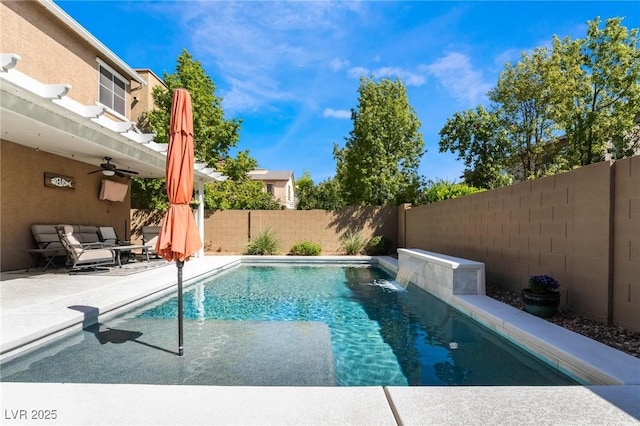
179	238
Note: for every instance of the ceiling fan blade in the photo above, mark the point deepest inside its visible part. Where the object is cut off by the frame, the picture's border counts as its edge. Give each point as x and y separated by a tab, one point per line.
95	171
126	171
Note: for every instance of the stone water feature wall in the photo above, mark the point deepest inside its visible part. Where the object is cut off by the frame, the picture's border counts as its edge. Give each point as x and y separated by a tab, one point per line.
441	275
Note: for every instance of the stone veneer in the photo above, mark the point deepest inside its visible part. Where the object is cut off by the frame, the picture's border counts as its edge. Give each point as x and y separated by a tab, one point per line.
442	275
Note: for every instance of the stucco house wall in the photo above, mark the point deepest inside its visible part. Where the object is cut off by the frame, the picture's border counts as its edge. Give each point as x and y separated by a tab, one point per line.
50	53
283	184
142	95
24	200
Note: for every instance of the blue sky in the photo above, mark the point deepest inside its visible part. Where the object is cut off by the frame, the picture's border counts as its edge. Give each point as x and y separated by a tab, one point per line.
290	70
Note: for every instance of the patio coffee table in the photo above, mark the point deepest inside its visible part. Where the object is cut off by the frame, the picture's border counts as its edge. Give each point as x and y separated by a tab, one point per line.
120	249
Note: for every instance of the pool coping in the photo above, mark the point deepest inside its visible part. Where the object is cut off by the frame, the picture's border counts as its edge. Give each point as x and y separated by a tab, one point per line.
98	404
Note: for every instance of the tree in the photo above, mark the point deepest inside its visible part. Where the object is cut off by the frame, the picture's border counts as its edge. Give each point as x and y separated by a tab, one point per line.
325	195
378	165
214	135
238	192
328	195
305	192
481	142
588	89
597	87
629	145
523	99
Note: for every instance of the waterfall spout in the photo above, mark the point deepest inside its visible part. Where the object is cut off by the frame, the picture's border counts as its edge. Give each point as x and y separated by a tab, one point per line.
407	268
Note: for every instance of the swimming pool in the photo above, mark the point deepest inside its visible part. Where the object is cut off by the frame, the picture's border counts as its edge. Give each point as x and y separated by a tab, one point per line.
290	325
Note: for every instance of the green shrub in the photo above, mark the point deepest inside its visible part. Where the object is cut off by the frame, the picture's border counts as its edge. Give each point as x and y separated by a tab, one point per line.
352	242
306	248
442	189
378	245
264	244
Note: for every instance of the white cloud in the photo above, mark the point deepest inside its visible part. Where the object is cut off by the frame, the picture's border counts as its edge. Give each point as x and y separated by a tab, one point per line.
338	64
409	78
268	43
456	74
336	113
357	72
510	55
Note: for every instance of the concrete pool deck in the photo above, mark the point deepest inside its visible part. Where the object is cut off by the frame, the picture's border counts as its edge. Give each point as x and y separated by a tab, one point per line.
37	306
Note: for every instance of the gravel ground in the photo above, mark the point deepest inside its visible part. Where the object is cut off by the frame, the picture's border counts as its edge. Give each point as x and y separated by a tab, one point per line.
616	337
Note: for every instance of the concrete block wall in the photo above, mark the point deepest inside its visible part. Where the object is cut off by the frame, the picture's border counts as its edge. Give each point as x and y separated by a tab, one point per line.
228	232
325	227
626	244
582	227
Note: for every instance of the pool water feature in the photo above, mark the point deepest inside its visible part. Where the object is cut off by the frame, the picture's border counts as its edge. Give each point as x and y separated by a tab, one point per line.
406	271
354	326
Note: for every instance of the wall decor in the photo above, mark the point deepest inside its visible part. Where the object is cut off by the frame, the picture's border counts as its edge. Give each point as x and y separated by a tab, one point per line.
56	180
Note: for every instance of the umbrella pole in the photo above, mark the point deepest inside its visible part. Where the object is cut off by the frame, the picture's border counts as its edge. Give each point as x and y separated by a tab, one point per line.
180	264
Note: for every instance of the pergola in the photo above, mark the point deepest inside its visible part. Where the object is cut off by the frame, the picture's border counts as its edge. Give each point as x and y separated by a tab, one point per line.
43	117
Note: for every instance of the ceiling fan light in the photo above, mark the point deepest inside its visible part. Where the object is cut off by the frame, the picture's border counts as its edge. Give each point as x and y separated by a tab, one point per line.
108	172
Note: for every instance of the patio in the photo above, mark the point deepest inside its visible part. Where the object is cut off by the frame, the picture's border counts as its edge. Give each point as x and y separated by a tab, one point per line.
36	307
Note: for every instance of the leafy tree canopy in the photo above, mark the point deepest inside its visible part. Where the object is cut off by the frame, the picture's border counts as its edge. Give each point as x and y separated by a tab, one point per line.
522	100
554	110
238	192
325	195
596	81
481	142
214	136
378	165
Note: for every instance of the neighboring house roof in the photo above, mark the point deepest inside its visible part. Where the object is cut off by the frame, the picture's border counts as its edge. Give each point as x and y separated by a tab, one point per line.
263	174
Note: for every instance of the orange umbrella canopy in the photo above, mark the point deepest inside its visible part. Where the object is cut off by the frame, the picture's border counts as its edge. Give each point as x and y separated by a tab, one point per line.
179	238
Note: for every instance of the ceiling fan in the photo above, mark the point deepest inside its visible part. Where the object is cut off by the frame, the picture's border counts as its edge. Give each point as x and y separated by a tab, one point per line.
109	169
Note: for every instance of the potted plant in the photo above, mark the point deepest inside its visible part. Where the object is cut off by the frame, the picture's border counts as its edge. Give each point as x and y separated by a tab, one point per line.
542	297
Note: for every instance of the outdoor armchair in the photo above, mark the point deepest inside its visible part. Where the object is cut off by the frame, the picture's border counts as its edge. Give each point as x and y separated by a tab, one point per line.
84	255
150	237
108	235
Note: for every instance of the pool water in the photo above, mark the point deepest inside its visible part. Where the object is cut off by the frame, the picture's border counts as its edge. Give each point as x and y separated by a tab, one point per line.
318	325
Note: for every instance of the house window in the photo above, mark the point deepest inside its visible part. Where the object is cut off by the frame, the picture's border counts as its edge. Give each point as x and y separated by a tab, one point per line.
271	189
113	90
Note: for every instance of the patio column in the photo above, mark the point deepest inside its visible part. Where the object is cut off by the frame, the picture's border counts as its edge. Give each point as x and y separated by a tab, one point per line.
200	214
